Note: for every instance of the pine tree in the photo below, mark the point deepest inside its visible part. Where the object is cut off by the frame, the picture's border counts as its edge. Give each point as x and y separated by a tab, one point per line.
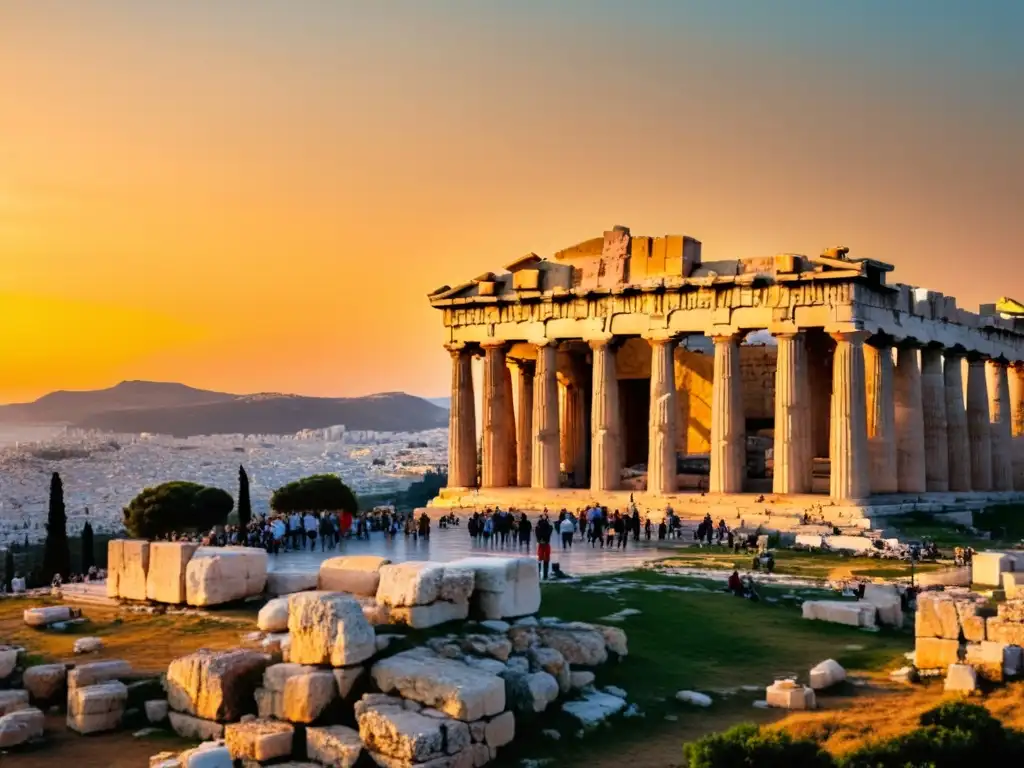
88	558
9	567
244	506
56	553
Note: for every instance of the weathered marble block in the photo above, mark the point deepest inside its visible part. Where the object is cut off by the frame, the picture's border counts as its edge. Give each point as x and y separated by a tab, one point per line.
296	693
218	575
47	615
426	616
18	727
127	568
95	708
46	682
335	745
423	583
787	694
287	582
505	587
215	685
355	574
97	672
826	674
328	628
273	617
935	652
195	728
168	561
400	734
12	701
259	740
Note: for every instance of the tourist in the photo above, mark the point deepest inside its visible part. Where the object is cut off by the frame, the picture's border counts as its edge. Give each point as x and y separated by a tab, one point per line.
647	527
662	531
488	529
525	529
568	529
636	525
596	526
609	527
544	530
311	524
295	529
735	584
622	525
326	533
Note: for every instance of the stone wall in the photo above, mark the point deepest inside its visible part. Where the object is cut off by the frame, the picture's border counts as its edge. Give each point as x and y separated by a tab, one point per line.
757	364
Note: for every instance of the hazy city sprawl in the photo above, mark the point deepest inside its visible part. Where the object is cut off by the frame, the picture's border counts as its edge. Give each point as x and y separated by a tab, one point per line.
103	471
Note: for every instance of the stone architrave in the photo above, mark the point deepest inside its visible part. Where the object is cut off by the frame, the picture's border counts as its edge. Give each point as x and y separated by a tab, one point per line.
936	428
661	457
728	443
1016	375
604	419
849	478
910	468
495	433
957	437
462	421
881	409
512	454
979	428
999	416
546	446
792	472
524	425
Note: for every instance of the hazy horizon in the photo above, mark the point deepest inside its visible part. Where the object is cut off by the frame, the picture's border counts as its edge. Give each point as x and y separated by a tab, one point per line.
258	196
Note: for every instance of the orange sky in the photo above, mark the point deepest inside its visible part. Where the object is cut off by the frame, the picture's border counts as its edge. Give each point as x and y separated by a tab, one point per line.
259	196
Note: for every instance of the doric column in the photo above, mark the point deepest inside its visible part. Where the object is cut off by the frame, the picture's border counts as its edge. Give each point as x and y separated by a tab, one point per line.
910	468
461	421
999	410
936	427
1017	423
957	438
545	418
881	406
662	432
524	426
495	470
979	428
728	441
604	418
848	451
792	472
511	453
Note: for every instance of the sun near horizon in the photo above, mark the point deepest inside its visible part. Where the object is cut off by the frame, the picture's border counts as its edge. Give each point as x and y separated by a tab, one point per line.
257	196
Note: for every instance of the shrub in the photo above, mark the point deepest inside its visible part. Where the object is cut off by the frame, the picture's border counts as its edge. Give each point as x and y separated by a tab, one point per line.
317	493
746	746
176	506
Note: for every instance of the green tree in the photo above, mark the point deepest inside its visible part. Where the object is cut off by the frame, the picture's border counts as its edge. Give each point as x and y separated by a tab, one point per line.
422	491
88	556
176	506
244	505
317	493
9	566
56	552
747	745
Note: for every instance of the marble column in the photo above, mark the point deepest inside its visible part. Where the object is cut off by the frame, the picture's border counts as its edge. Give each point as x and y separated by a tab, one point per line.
957	437
728	441
999	410
545	457
910	469
605	472
662	431
936	426
462	421
792	472
881	408
979	428
848	453
524	425
495	470
511	453
1017	423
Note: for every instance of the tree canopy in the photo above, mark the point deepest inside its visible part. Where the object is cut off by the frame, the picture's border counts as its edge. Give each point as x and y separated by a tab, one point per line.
317	493
176	506
56	552
244	505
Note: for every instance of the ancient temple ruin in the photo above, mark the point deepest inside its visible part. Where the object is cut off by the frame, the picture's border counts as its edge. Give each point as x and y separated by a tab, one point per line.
630	371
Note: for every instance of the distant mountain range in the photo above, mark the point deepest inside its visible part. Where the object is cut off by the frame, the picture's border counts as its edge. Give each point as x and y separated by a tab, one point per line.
180	410
440	402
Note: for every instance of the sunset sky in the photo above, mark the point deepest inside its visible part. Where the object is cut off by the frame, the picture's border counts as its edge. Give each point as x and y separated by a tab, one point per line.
257	196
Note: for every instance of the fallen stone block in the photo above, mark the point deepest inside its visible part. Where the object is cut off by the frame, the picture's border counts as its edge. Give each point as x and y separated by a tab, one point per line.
347	680
334	745
288	582
127	568
788	694
450	686
580	644
400	734
18	585
580	679
168	562
328	628
422	583
594	708
273	617
21	726
1000	630
45	683
217	575
614	640
195	728
960	678
530	692
1013	584
427	616
826	674
13	700
1011	610
115	553
500	730
215	685
886	599
693	697
209	755
852	614
8	661
95	708
156	710
295	693
376	613
505	587
96	672
989	659
355	574
935	652
259	740
987	568
44	617
87	645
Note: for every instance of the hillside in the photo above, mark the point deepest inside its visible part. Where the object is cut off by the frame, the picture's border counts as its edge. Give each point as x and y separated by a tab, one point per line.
178	410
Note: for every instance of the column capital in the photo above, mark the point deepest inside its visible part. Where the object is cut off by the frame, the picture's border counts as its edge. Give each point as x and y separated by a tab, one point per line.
545	342
974	357
855	337
726	337
493	343
881	341
456	347
661	337
787	334
599	340
954	353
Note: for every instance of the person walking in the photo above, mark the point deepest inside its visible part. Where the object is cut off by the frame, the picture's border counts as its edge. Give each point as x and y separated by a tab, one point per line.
636	524
544	530
525	529
567	528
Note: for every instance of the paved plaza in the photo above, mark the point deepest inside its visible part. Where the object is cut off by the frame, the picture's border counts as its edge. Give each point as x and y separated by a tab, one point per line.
453	543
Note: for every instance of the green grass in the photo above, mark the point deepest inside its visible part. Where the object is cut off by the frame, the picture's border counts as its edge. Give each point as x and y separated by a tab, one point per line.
1003	523
703	641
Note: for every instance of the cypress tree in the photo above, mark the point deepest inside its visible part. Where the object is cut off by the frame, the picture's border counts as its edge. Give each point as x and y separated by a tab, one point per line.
88	558
56	553
244	505
9	566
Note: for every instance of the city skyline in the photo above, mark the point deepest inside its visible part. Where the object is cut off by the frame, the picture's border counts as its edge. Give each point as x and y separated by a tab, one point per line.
256	197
